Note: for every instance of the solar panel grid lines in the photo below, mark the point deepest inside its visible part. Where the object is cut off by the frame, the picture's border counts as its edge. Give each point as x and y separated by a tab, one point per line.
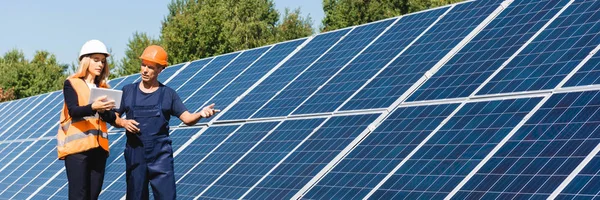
465	71
37	121
317	99
578	72
324	69
266	153
544	152
22	182
189	72
265	76
431	172
17	113
217	65
26	163
169	76
302	72
378	152
497	147
577	173
219	158
216	139
551	54
19	156
285	73
253	75
225	77
309	160
456	28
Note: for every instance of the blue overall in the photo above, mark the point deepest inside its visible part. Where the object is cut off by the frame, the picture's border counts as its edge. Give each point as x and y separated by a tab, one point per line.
148	154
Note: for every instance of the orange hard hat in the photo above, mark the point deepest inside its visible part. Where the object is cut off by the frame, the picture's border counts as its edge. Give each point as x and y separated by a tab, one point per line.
156	54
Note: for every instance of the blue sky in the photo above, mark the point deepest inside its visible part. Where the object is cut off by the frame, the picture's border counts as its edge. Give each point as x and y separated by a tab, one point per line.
61	27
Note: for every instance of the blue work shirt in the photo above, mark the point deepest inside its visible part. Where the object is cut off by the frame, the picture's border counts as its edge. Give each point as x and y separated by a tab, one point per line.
171	103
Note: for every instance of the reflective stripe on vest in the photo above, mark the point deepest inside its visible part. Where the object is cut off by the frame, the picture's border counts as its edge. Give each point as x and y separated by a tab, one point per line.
77	135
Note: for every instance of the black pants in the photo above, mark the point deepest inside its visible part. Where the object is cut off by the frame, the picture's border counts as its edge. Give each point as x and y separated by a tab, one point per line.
85	172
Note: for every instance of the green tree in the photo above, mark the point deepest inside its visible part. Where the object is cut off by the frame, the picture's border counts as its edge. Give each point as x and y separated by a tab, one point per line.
130	64
344	13
28	78
293	26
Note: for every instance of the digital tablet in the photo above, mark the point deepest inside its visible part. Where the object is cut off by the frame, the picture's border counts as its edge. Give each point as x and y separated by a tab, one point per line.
110	95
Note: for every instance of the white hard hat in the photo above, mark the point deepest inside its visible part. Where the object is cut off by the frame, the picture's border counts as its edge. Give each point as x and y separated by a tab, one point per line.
91	47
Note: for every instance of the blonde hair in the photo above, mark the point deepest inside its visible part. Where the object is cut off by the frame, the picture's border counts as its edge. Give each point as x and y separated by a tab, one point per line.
82	71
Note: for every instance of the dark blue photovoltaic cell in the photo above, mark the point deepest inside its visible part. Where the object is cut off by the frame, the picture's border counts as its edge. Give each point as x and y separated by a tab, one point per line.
262	159
585	184
197	150
168	72
553	54
471	66
543	152
365	66
29	170
49	123
43	171
128	80
203	76
382	150
16	112
115	81
310	157
319	72
18	167
452	152
214	164
187	73
588	74
219	81
198	80
242	83
24	127
401	74
284	74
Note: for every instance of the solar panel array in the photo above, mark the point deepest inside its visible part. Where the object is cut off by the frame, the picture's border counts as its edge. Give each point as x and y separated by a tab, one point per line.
480	99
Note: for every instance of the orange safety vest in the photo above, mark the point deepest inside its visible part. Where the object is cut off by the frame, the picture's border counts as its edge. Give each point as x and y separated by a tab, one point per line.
80	134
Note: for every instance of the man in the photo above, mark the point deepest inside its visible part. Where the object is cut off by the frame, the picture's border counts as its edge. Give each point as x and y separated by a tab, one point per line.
148	106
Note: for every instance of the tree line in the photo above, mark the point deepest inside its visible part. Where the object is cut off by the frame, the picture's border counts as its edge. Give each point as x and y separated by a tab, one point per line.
195	29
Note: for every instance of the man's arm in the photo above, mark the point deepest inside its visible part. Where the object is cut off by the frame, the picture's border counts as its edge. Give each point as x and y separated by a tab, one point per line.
192	118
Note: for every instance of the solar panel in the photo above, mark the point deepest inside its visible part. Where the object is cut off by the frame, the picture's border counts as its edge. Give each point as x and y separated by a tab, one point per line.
480	99
168	72
585	184
185	74
212	164
222	78
16	113
441	161
543	152
382	150
310	157
548	59
251	76
384	85
200	79
17	173
251	102
293	94
488	50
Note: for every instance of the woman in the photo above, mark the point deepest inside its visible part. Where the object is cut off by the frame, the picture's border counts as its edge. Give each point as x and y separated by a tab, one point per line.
82	135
